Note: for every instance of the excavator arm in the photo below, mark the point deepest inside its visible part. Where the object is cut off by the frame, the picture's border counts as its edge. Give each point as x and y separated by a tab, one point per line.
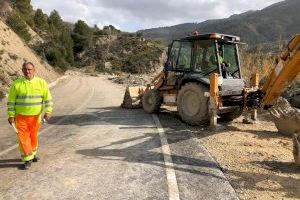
286	70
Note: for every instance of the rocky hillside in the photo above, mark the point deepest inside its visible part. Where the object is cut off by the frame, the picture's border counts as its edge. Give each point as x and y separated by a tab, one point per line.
13	53
121	53
277	22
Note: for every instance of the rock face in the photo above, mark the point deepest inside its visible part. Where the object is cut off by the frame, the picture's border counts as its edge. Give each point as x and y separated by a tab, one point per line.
13	53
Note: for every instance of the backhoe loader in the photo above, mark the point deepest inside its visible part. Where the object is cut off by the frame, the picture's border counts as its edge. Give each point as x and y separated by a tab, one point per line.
202	77
186	79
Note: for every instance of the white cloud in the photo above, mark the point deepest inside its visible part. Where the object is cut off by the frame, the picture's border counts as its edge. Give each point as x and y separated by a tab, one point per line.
131	15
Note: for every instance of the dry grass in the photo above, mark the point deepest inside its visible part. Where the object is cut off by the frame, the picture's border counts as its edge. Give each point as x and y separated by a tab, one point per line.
257	62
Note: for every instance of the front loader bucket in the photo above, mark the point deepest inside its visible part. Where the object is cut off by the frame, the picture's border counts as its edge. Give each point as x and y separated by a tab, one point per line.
133	96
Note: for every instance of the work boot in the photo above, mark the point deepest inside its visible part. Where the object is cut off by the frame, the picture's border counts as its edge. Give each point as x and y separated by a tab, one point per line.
26	165
35	159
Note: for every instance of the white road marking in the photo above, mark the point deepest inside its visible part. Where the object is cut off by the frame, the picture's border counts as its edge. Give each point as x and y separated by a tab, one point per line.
171	176
58	122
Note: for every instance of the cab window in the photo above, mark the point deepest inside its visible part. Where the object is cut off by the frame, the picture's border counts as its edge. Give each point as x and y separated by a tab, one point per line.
184	58
173	54
230	57
205	60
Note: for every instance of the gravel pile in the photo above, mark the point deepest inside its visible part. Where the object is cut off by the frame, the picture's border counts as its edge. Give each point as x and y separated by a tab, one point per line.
131	80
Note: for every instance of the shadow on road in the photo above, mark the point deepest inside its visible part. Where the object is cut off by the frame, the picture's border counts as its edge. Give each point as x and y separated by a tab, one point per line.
144	146
144	152
107	115
11	163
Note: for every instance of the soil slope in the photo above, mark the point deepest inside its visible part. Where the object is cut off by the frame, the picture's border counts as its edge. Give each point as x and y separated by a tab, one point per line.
13	53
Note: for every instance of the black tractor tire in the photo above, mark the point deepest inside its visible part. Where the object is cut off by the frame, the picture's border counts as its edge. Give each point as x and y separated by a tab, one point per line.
151	101
230	116
192	105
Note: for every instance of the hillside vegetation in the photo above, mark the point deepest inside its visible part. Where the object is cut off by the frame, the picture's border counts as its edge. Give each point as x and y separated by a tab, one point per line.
66	45
263	28
123	53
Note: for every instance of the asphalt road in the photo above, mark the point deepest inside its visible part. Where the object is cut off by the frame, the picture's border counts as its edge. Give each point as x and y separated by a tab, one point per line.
93	149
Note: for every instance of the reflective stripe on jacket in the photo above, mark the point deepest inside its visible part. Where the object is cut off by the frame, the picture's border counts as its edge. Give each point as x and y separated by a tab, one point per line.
27	97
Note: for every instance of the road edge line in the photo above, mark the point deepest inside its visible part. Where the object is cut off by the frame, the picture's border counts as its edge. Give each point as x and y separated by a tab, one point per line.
171	176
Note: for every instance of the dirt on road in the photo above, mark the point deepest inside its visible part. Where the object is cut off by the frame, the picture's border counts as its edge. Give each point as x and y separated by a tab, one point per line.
256	159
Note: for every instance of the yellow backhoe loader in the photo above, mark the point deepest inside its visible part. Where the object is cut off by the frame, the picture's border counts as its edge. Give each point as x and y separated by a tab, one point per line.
186	78
202	77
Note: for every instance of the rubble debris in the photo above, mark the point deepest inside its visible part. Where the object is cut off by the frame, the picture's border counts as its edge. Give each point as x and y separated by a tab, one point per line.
130	80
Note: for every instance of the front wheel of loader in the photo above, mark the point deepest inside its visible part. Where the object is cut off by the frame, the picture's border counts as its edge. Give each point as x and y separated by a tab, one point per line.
192	105
151	101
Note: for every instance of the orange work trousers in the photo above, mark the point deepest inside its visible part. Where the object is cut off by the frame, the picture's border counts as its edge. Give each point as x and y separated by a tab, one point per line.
28	127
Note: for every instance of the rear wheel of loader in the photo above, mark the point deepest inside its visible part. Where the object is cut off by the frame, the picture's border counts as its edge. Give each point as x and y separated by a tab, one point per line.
151	101
192	104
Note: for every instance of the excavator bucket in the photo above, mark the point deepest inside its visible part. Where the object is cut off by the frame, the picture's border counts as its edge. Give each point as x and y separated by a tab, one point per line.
133	96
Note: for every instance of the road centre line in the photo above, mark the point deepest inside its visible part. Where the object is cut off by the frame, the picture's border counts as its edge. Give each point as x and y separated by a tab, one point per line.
171	176
52	125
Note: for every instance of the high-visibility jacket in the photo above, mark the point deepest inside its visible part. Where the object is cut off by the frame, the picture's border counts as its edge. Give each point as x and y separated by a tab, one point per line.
27	97
221	59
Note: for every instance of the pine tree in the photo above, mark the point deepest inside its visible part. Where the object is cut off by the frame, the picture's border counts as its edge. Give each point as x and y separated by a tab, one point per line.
40	20
82	36
58	50
55	22
67	43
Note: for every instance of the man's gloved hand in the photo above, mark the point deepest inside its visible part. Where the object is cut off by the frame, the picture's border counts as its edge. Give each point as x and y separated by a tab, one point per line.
11	120
47	116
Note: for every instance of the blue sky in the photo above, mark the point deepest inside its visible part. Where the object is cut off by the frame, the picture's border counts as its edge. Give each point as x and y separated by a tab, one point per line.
133	15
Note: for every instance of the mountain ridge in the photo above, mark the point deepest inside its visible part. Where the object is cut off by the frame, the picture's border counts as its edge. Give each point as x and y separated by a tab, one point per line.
279	21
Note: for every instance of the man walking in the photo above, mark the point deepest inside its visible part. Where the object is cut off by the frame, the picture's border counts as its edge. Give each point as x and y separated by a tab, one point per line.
25	105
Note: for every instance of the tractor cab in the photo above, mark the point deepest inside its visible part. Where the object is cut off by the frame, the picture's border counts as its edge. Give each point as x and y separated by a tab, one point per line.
201	55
